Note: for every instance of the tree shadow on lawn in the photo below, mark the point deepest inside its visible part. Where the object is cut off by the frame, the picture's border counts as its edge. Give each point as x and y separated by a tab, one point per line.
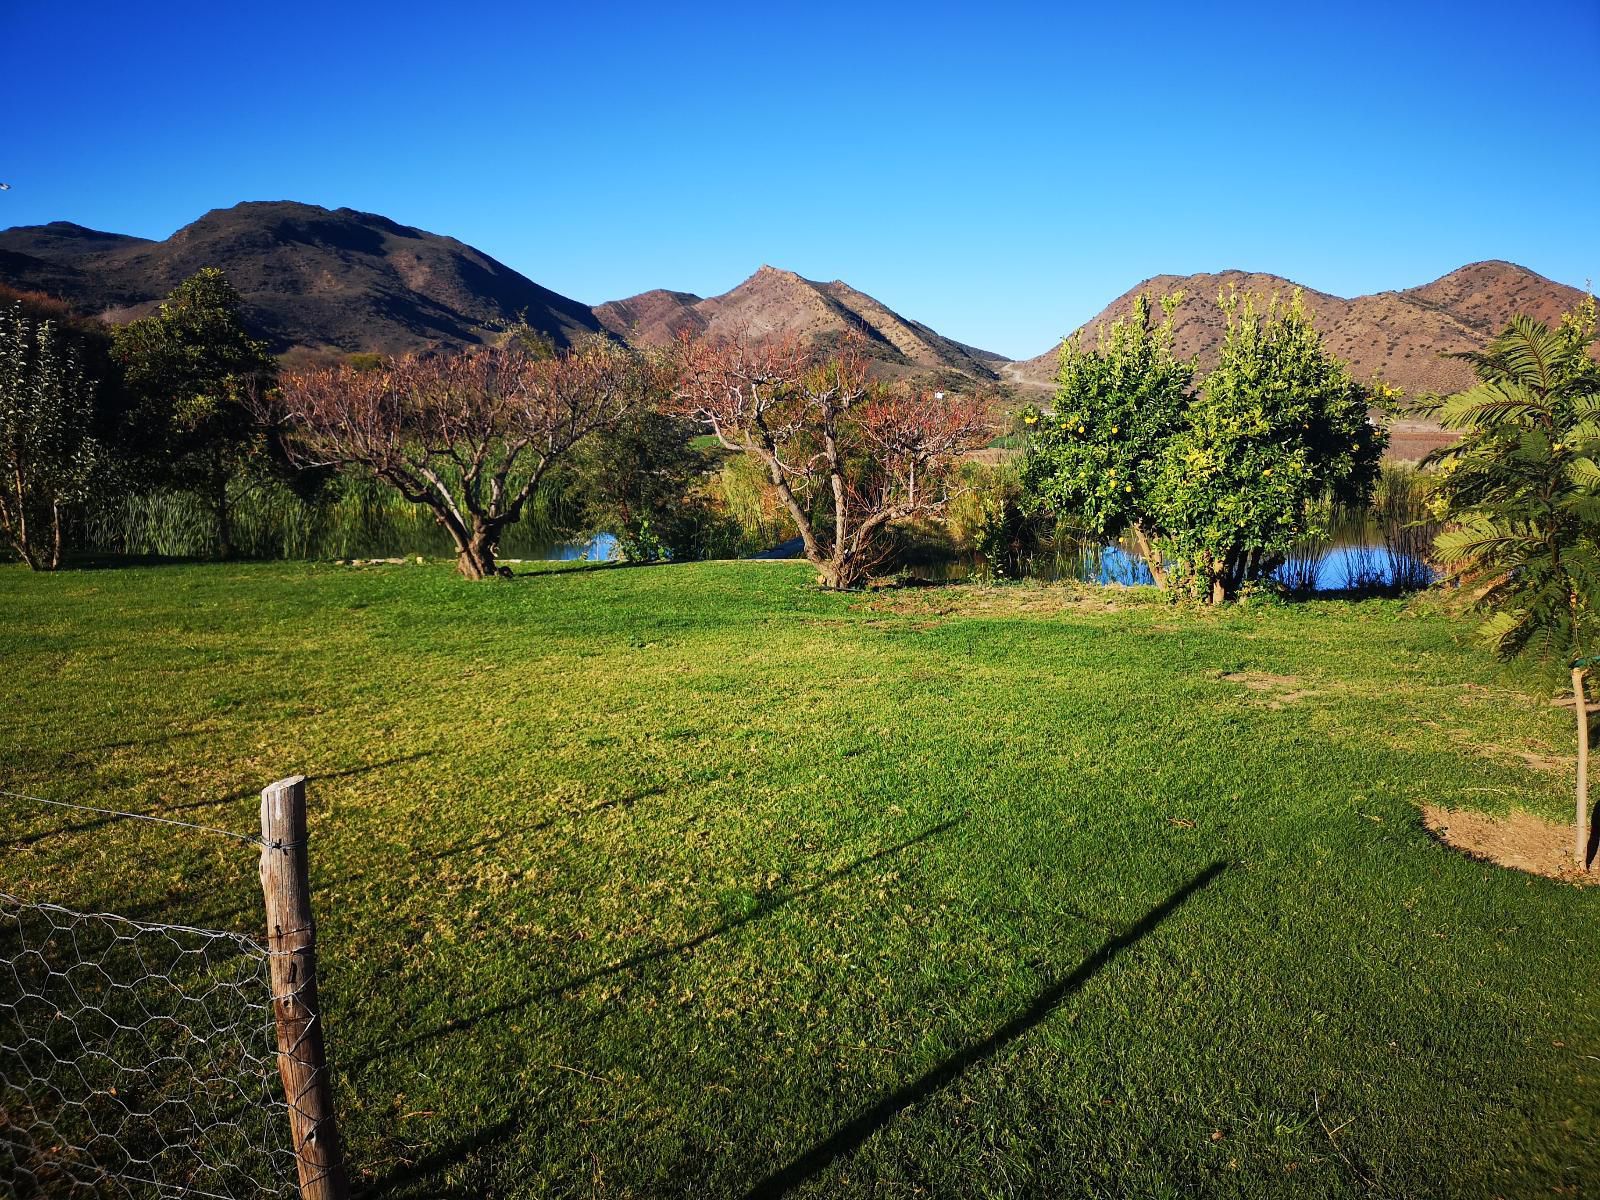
764	906
467	845
119	562
416	1171
587	568
851	1135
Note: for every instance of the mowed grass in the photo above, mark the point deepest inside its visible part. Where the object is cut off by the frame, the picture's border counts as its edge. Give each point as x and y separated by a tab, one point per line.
693	881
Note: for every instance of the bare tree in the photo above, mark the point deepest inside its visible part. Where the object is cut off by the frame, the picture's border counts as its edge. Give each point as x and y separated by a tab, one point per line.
471	435
817	422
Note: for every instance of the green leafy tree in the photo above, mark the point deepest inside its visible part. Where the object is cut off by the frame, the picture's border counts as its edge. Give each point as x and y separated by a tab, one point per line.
119	434
641	481
194	370
1522	489
1279	424
47	456
986	518
1100	455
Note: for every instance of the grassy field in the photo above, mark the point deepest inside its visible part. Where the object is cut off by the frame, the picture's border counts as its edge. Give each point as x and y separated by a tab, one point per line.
692	881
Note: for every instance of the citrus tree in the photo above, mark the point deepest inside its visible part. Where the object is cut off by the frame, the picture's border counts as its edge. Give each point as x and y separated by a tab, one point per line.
1522	491
1100	454
1279	424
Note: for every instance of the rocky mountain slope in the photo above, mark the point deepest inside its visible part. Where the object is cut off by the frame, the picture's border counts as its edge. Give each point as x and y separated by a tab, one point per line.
1401	336
311	278
323	281
781	303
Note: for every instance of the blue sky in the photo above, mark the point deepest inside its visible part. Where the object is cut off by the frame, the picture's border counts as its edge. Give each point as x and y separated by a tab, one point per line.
999	172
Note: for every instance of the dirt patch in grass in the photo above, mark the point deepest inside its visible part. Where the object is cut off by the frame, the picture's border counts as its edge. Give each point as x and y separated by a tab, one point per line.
1528	758
1276	690
1520	841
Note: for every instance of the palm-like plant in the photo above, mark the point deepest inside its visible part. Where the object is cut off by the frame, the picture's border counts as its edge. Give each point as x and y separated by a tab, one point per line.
1522	491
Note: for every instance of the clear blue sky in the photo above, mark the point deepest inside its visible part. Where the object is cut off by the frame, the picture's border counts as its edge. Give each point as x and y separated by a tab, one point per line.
997	171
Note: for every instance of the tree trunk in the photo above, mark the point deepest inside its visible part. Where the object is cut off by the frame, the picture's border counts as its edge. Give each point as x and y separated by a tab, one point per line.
1580	835
1214	574
475	559
1152	558
19	536
224	517
839	573
55	535
797	512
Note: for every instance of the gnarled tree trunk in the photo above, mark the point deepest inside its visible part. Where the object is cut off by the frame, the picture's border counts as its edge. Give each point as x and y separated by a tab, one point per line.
476	548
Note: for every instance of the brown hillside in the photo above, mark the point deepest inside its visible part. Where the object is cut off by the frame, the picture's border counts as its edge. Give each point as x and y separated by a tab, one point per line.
311	278
1402	337
779	303
652	318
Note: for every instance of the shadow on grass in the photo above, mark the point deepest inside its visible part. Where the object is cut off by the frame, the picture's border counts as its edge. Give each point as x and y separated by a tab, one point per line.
120	562
468	845
367	768
621	802
763	907
854	1133
560	567
403	1175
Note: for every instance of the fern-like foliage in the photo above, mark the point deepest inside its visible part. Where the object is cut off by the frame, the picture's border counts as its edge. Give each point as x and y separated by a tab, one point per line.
1521	489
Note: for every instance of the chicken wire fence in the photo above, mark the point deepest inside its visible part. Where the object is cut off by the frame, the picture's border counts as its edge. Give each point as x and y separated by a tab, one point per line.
136	1059
140	1059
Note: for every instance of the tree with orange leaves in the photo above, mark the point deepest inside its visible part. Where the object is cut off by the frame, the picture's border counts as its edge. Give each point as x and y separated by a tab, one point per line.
471	435
846	455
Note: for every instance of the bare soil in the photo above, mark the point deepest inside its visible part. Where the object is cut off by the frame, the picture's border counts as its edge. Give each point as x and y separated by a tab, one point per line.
1276	690
1520	841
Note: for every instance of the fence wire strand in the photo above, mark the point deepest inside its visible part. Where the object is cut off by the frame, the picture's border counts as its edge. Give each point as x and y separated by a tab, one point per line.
248	838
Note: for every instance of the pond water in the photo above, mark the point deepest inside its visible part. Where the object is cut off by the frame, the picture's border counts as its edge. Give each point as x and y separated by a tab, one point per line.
600	548
1352	567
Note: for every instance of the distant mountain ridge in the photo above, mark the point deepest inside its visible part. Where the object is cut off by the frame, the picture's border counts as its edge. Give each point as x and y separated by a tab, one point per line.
1402	336
322	281
319	281
311	278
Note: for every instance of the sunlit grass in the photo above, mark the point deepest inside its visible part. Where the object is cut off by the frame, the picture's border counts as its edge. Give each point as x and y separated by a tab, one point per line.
695	881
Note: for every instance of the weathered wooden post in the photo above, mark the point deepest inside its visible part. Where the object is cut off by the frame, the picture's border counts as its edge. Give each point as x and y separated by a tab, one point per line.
1580	832
292	946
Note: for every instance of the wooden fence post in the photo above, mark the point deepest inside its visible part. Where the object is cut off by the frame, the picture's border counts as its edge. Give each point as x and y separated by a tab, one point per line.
292	945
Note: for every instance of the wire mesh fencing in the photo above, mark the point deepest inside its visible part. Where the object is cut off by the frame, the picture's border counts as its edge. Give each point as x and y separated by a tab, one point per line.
151	1060
136	1059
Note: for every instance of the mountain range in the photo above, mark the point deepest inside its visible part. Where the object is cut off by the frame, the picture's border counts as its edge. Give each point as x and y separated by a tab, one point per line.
317	282
1402	336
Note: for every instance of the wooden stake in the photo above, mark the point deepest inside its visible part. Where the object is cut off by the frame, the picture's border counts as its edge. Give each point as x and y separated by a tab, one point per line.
292	944
1580	834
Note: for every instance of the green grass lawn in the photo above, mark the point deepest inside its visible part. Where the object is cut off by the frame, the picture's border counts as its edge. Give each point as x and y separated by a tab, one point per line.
693	881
